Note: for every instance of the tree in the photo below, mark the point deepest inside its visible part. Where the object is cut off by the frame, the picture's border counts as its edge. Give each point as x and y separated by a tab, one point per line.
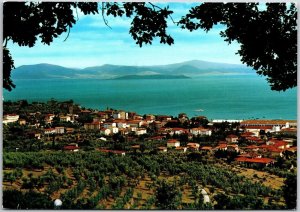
268	37
167	196
290	191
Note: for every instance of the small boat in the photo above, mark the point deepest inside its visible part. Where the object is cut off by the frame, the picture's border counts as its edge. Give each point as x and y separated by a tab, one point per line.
199	110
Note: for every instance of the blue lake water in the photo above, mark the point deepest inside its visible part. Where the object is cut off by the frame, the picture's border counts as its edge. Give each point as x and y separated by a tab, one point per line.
220	97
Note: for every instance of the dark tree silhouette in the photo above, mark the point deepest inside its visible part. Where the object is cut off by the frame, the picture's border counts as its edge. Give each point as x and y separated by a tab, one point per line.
167	196
268	38
290	191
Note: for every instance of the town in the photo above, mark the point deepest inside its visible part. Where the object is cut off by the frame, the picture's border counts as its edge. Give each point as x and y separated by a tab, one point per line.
262	146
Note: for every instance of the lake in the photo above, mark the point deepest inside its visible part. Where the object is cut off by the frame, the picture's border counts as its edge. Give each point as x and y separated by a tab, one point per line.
217	97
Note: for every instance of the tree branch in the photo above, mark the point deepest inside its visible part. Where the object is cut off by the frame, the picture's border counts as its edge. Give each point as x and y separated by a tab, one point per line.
105	21
67	34
155	6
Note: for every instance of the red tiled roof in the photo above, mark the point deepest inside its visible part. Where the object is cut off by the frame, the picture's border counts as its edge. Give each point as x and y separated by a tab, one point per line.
221	146
193	144
206	148
232	136
266	122
259	127
252	147
112	151
255	160
294	148
289	130
172	141
253	138
70	147
246	134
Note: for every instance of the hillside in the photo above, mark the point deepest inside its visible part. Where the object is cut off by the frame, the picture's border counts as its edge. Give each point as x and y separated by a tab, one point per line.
157	76
189	69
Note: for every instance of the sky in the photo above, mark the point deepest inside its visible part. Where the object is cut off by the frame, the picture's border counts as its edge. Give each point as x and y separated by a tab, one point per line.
92	43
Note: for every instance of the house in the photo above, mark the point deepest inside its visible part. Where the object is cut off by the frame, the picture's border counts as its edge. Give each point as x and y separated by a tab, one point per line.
200	131
173	143
207	149
116	152
247	134
114	130
73	147
10	118
102	115
135	147
254	139
134	123
181	149
49	118
35	135
120	123
289	131
258	161
120	115
163	118
276	125
221	146
233	148
141	131
49	131
156	138
22	122
92	126
183	117
193	146
109	125
59	130
70	130
278	143
105	131
162	149
178	131
65	118
252	148
232	138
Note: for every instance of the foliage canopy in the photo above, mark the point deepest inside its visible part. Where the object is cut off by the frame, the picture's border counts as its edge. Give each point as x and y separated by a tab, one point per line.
267	38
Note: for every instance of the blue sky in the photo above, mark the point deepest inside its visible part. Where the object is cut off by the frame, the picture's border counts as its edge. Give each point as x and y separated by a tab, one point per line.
92	43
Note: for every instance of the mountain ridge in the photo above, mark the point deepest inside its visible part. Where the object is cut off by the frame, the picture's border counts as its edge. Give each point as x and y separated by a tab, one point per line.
109	71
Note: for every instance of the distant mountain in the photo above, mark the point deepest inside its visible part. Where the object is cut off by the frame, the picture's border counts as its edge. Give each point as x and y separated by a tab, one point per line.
156	76
189	69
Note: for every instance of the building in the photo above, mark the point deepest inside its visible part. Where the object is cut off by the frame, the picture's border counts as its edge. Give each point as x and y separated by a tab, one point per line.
193	146
200	131
49	131
116	152
71	148
49	118
232	139
59	130
173	143
141	131
10	118
275	124
162	149
181	149
258	161
65	118
92	126
105	131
